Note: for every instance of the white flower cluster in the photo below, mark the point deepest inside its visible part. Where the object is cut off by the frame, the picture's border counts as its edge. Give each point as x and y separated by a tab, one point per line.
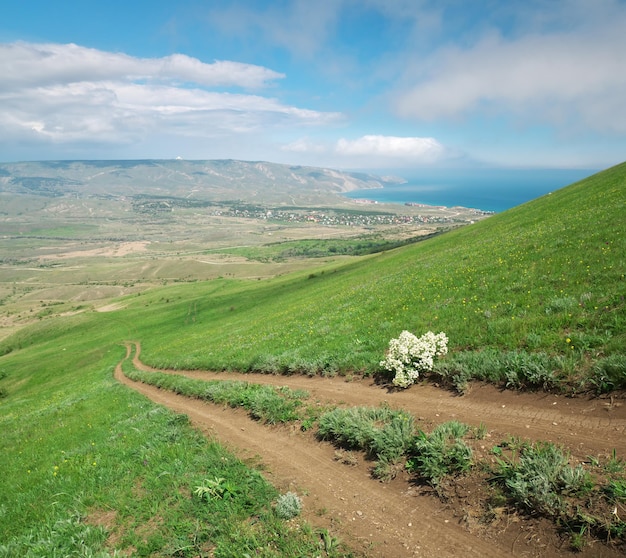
409	355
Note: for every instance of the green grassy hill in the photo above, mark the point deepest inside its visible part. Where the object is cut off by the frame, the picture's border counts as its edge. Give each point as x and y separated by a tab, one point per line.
546	277
530	297
539	286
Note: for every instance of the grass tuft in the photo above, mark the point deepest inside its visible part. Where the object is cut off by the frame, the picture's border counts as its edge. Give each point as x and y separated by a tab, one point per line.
441	453
382	433
265	403
539	477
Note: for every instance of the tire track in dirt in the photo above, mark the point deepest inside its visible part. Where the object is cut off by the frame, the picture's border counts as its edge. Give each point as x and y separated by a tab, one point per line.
378	520
394	519
585	425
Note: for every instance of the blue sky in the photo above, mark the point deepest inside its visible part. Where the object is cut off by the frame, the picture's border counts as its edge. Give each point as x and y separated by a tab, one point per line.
339	83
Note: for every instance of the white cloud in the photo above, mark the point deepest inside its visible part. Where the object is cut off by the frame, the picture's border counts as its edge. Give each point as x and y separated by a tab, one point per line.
304	145
575	79
26	64
373	151
392	146
66	94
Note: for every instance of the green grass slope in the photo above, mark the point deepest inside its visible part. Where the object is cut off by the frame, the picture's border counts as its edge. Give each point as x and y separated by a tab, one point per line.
92	469
544	279
532	296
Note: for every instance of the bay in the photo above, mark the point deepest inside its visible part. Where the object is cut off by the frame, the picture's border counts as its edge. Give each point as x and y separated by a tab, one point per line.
486	189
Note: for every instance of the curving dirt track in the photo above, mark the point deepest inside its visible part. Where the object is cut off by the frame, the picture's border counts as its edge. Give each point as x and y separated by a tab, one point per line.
397	519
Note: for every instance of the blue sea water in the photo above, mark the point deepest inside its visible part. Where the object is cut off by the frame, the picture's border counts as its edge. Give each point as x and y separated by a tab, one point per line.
487	189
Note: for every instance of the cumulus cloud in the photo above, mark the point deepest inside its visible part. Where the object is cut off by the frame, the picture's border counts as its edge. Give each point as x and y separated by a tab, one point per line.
62	94
392	146
574	78
26	64
371	151
305	145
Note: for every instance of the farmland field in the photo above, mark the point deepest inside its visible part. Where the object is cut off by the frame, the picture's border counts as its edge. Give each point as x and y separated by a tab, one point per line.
75	237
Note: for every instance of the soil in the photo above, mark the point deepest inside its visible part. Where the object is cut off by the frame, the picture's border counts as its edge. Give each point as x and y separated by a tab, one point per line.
113	251
401	518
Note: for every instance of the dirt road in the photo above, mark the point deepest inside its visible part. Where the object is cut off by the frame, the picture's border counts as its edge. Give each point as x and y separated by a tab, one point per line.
397	519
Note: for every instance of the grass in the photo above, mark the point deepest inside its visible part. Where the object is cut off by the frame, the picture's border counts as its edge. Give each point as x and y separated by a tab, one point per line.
537	293
539	287
518	369
382	433
91	468
441	453
539	477
585	501
265	403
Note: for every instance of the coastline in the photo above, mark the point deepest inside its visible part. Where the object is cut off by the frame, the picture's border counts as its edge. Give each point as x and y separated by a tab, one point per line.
488	190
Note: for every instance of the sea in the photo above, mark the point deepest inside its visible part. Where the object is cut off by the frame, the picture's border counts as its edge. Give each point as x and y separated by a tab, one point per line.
493	190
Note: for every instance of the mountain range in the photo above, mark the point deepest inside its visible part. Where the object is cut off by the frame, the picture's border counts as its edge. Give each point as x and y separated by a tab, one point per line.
215	180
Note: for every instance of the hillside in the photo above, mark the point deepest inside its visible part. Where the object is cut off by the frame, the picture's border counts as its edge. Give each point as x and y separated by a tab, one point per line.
530	299
538	287
543	279
76	232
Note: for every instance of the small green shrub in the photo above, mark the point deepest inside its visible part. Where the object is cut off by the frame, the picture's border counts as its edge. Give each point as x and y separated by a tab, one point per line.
379	431
528	370
328	542
616	490
387	469
577	540
266	364
288	505
485	365
216	488
609	373
561	304
440	453
615	464
480	432
540	477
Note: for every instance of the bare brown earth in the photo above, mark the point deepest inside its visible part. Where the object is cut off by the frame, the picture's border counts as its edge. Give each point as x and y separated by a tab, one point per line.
117	250
400	518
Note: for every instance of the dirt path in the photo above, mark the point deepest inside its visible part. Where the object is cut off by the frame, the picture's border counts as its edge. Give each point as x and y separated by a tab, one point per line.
395	519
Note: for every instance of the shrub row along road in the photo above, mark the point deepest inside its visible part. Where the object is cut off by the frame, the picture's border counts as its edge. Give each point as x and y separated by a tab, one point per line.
397	519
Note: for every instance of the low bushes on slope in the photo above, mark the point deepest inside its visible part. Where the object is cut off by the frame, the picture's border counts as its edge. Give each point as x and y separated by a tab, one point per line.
265	403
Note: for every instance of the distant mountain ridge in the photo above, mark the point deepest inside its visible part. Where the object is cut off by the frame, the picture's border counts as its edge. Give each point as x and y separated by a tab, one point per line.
212	180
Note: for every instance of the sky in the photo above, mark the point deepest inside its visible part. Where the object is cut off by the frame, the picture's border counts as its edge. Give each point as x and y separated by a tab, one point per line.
349	84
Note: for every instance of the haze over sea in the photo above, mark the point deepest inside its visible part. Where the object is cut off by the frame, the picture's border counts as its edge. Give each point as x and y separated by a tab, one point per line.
487	189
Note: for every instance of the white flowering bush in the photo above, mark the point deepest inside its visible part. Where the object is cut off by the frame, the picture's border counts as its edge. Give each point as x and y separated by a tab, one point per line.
409	355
